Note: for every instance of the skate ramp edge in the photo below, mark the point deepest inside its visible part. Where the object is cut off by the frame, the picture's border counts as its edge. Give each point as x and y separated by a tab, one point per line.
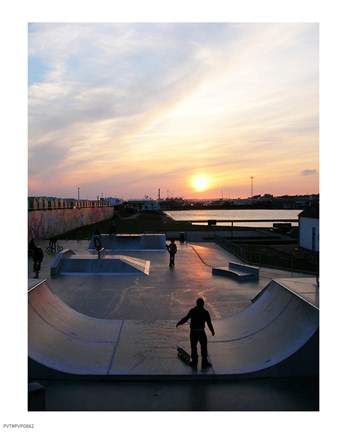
109	265
276	336
59	260
132	242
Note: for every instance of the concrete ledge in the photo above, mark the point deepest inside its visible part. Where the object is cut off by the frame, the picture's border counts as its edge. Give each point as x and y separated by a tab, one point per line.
109	265
241	272
55	267
130	242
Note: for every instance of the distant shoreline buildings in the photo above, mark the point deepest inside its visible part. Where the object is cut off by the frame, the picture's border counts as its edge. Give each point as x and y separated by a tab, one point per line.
266	201
256	202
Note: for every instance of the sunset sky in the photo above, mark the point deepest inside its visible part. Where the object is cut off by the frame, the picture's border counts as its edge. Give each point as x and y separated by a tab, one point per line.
125	109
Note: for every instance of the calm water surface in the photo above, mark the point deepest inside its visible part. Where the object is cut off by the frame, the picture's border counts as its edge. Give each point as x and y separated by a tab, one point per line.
236	216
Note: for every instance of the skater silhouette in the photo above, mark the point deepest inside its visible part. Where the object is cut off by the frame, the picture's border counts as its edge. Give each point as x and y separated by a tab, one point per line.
198	316
172	249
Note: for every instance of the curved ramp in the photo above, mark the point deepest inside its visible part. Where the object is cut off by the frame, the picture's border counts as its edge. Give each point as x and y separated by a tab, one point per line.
279	330
66	340
276	336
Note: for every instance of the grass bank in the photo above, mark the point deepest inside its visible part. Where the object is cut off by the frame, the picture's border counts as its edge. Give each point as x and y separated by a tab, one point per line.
138	223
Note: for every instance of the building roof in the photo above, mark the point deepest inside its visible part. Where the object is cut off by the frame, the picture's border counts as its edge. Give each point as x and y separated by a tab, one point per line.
311	212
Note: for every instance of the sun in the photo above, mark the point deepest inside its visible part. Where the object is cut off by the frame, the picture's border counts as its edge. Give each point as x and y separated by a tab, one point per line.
200	183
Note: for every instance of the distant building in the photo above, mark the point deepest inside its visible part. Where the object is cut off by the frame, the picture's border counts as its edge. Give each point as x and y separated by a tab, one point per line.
309	229
112	201
146	204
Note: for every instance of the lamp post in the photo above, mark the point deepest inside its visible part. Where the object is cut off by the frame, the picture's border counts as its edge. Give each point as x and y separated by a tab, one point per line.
251	186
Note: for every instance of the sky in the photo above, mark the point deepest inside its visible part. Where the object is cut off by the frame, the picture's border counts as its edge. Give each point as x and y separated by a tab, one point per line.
191	109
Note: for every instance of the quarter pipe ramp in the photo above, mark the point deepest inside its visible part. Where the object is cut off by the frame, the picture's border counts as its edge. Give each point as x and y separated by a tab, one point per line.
276	336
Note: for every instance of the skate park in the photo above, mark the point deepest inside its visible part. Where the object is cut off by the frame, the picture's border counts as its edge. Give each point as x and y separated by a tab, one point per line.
118	329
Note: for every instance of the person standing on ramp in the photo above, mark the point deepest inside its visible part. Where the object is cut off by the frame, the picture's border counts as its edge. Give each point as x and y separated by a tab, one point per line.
198	316
97	240
172	249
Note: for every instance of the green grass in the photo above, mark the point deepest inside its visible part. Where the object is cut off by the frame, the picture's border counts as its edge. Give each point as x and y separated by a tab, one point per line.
141	223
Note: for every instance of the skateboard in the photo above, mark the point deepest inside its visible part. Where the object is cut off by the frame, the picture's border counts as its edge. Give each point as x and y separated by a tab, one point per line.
183	355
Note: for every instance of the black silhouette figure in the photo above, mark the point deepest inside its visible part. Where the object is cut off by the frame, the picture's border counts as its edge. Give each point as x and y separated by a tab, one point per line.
198	316
172	249
97	240
38	258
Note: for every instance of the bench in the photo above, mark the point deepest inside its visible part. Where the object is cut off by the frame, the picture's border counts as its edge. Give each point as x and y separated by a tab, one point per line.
238	271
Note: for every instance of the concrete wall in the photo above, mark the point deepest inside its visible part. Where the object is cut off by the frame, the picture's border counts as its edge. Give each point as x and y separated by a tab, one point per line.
43	224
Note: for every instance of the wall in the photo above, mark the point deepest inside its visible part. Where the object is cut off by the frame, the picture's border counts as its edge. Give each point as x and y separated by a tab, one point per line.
43	224
309	233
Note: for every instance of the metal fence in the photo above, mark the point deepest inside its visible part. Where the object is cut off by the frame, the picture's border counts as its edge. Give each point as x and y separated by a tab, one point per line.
307	264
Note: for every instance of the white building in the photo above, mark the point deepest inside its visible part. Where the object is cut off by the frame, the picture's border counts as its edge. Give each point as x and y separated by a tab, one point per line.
112	201
144	204
309	229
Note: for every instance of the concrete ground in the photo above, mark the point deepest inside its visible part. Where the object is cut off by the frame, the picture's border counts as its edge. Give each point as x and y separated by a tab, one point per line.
227	395
167	295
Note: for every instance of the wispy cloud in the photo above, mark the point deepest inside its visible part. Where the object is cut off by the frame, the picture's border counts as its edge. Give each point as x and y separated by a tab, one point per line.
116	104
309	172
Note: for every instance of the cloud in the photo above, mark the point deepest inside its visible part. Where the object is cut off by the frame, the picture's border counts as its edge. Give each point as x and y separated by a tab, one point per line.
309	172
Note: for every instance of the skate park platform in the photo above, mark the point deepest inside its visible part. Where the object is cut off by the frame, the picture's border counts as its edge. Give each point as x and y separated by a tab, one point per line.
99	330
67	263
128	242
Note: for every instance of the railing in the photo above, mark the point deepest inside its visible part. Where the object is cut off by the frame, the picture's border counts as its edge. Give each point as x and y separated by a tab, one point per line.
44	204
274	260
